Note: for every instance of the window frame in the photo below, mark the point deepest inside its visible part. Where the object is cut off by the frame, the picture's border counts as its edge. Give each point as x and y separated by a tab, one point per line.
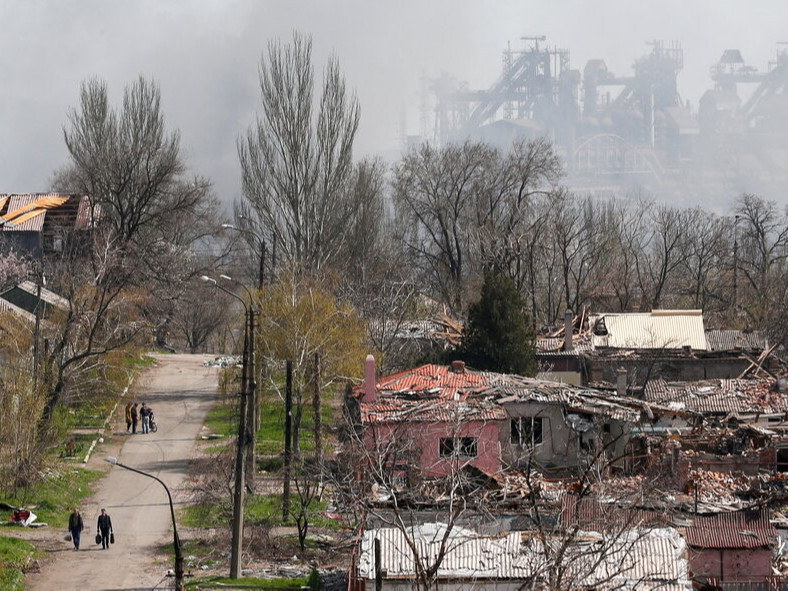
525	426
460	447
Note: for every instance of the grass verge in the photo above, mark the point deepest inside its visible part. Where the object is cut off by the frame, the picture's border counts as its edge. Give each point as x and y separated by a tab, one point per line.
250	583
258	510
57	493
15	556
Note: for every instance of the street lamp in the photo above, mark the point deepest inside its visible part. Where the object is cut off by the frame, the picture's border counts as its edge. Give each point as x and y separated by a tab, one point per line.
250	383
175	540
246	385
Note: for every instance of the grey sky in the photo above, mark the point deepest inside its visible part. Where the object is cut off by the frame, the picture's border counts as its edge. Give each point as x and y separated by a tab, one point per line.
204	55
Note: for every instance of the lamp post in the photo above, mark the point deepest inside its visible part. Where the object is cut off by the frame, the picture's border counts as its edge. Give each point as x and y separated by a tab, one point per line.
176	542
250	384
243	434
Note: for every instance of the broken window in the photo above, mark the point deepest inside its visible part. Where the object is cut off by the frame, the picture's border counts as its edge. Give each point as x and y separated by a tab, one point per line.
462	447
526	431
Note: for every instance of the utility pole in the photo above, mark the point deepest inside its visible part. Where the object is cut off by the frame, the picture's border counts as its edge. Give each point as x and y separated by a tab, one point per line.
238	493
288	435
251	407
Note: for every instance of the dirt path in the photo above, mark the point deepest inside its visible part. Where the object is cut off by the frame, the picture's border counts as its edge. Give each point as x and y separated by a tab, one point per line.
180	390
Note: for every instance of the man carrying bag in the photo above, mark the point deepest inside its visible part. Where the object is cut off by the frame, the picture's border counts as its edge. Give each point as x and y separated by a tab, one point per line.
104	530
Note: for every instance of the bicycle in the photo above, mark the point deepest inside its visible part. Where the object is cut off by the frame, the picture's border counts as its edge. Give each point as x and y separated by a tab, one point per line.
152	425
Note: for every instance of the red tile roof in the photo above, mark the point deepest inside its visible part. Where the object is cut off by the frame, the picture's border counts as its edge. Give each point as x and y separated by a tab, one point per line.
428	378
741	529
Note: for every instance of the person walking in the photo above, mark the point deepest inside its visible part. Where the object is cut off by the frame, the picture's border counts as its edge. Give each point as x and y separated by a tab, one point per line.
128	418
134	418
104	528
145	414
75	526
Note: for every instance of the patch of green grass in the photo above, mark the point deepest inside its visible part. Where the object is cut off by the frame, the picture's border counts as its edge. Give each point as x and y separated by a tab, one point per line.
75	446
15	555
57	493
251	583
258	510
216	449
222	419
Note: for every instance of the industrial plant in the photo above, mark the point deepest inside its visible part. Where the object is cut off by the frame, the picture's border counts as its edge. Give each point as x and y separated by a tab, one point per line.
620	133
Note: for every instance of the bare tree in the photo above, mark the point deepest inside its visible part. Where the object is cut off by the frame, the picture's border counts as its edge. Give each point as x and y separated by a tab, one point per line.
127	161
297	164
435	191
507	213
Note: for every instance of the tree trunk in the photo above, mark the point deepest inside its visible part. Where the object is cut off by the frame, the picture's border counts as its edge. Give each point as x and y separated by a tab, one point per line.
317	409
288	455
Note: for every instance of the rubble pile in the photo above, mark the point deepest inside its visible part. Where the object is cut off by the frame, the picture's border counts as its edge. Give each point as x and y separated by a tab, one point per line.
718	487
226	361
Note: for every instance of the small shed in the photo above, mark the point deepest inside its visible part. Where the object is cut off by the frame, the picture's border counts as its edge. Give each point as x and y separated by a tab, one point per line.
731	547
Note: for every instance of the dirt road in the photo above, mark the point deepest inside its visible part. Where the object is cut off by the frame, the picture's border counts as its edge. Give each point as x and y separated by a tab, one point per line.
180	390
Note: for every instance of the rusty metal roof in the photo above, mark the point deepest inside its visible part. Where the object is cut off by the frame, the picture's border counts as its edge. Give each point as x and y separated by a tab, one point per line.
658	329
591	514
740	529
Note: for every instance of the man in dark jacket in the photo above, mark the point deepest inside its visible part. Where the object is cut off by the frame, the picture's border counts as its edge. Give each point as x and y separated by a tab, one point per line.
104	527
75	527
145	415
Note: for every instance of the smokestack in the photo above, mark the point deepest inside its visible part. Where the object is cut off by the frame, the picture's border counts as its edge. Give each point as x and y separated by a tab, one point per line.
621	382
370	392
569	326
458	366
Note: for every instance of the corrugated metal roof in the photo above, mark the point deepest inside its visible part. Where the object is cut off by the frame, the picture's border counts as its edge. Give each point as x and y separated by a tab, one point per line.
654	558
50	297
729	340
719	396
654	555
9	307
28	212
591	514
25	212
468	555
740	529
659	329
553	346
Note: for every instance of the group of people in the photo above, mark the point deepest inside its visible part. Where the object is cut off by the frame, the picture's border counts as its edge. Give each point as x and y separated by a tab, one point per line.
103	527
145	413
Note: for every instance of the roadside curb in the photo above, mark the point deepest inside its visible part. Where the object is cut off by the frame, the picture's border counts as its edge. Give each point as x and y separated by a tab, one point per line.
100	432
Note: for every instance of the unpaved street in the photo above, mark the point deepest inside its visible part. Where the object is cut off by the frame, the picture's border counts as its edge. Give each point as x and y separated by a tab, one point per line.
180	390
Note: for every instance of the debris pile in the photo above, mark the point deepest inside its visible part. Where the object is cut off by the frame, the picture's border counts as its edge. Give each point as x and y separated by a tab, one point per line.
226	361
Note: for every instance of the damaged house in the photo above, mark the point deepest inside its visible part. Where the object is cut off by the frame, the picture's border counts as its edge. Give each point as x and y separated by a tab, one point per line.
438	415
669	344
42	224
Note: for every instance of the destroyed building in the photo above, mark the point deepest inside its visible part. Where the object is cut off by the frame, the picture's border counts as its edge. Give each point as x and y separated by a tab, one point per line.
673	345
43	224
443	414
